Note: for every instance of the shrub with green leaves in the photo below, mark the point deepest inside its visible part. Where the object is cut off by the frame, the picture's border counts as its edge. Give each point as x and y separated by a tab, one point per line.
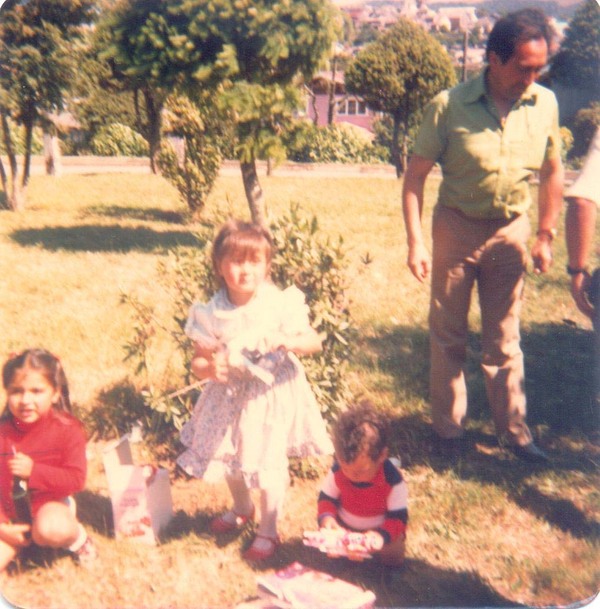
585	123
302	257
17	139
118	140
337	143
194	167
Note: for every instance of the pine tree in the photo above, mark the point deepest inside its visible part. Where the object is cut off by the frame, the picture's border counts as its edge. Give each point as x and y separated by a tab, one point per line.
577	64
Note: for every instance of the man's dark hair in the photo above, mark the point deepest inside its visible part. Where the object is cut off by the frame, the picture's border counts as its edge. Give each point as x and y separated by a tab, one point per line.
359	429
516	28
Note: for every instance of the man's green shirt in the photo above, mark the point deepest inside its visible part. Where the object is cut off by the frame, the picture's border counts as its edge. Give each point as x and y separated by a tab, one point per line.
487	167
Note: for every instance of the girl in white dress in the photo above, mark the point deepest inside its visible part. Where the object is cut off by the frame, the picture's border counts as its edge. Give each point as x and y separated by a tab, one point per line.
257	408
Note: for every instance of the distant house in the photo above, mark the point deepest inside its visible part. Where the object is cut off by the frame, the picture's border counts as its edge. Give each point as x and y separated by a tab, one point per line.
456	18
347	108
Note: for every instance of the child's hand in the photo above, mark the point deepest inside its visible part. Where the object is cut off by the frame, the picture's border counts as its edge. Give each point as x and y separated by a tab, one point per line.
219	366
21	465
330	522
15	535
276	341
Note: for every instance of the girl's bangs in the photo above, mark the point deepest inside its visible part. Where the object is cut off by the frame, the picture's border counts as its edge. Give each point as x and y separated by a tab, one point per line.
246	244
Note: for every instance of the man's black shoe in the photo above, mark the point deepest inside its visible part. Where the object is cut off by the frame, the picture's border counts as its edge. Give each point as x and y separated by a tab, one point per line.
530	453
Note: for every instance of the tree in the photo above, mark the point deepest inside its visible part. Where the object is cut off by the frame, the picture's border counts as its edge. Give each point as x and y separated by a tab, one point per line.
252	51
271	45
577	63
151	51
398	74
37	63
192	157
96	99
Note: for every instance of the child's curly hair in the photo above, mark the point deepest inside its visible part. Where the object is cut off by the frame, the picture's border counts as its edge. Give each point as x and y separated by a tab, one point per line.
359	429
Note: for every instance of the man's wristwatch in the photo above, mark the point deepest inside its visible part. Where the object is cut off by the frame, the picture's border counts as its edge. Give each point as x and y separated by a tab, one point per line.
548	232
575	271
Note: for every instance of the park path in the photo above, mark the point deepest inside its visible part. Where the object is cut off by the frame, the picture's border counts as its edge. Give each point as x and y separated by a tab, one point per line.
96	164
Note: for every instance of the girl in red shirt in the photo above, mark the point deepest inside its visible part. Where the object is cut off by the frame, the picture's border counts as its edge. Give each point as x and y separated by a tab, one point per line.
42	448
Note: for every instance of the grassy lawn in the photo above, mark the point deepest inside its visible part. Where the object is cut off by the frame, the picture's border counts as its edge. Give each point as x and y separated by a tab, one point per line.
485	531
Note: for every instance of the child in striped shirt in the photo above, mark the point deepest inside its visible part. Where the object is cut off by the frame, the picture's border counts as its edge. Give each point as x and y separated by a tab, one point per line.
364	490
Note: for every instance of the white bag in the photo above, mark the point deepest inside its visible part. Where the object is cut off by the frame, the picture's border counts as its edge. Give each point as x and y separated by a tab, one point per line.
140	494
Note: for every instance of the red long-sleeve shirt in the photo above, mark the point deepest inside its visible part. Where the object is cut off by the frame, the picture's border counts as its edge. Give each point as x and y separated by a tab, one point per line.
56	444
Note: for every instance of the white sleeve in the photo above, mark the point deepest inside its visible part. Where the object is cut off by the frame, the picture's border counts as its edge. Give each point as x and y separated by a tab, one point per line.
199	327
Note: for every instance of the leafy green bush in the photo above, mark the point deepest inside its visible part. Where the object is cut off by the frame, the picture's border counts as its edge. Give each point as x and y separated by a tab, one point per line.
567	142
584	126
193	168
337	143
316	265
118	140
17	138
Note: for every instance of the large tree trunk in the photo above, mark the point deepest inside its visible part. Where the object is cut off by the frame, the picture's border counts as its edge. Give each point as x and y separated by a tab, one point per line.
153	112
395	150
254	192
313	103
52	156
28	122
15	194
331	102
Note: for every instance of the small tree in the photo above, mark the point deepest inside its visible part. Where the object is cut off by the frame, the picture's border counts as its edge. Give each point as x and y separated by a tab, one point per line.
193	163
398	74
37	63
270	45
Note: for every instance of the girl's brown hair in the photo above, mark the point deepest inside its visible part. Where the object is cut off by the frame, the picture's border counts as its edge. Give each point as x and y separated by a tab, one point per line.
42	361
244	238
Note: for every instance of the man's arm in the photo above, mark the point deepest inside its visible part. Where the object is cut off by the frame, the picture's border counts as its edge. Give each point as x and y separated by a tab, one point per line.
419	259
549	205
580	224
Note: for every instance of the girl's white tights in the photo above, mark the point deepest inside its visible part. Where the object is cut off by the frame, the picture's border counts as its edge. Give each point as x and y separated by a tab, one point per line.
242	502
271	501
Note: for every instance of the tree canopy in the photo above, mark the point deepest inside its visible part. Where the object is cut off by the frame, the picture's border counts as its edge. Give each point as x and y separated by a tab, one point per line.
251	50
577	64
37	61
398	74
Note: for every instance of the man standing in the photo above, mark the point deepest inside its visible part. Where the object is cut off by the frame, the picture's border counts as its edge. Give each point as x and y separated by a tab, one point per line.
489	135
583	198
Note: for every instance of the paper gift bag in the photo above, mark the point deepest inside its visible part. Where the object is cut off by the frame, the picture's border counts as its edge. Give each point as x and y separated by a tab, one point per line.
140	494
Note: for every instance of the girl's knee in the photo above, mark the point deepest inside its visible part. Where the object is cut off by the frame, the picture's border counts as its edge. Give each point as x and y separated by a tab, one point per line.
54	525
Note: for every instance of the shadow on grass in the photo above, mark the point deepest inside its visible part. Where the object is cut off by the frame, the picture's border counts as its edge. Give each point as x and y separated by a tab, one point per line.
558	364
97	238
152	214
415	584
562	413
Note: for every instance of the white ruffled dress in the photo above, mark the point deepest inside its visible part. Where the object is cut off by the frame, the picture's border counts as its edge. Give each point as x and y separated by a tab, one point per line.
247	426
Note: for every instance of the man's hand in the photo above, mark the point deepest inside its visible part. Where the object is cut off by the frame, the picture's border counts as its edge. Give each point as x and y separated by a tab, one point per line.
541	253
419	261
580	284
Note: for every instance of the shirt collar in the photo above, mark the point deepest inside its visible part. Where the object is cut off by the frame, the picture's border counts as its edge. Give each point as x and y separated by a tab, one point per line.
476	90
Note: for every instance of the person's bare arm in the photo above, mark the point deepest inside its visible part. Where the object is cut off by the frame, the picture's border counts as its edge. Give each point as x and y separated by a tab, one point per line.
580	224
549	206
419	258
